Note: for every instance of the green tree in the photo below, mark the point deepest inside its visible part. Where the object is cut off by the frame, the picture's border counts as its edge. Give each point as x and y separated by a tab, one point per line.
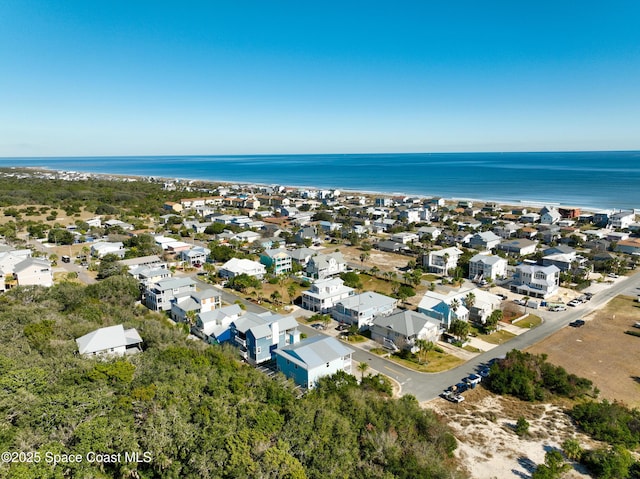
362	367
492	321
522	426
291	291
351	280
553	468
460	329
572	449
424	347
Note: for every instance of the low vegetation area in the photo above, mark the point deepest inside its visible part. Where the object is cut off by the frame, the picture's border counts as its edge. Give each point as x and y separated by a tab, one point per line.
194	407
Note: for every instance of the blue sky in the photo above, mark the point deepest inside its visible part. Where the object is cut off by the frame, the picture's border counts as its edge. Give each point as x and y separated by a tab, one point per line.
239	77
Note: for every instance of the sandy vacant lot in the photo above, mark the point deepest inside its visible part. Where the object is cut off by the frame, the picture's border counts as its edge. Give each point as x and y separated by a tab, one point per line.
489	448
601	351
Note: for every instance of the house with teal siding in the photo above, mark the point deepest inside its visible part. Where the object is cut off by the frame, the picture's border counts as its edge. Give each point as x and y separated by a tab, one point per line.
279	259
312	359
257	336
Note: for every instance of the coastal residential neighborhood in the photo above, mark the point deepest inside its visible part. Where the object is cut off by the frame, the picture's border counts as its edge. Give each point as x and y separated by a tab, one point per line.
440	271
426	298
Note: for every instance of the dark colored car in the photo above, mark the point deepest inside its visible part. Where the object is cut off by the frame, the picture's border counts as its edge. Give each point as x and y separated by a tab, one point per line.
578	323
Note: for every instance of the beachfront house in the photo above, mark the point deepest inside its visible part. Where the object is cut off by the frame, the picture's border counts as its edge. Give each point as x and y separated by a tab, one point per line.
621	220
359	310
313	358
324	294
403	329
110	341
536	281
257	336
549	216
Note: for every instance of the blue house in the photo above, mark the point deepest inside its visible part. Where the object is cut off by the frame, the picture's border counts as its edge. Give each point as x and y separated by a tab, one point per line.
313	358
259	335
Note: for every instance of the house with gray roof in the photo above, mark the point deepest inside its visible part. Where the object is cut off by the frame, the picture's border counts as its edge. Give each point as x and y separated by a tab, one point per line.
194	302
312	359
159	295
302	256
485	240
257	336
360	309
325	265
112	340
402	329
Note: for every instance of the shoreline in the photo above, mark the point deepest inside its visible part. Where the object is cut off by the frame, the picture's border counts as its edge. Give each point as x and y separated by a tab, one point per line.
347	191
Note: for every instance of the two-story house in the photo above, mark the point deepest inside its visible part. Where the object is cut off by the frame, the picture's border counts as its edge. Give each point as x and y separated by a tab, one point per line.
487	267
325	265
536	281
235	267
486	240
401	330
359	310
324	294
444	260
258	335
194	302
466	304
158	296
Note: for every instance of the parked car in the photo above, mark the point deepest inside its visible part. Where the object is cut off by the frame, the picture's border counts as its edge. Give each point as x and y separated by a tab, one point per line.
484	372
473	379
557	308
342	327
578	323
455	398
574	302
502	296
317	326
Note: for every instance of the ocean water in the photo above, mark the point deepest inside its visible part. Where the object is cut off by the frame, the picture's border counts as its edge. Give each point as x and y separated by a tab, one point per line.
588	179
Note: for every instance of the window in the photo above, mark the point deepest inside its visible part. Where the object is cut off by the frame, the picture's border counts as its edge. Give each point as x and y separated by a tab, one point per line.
327	364
258	350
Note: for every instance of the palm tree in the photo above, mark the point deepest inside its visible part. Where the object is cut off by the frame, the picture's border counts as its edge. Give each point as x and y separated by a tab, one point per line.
191	317
291	291
362	367
424	347
276	297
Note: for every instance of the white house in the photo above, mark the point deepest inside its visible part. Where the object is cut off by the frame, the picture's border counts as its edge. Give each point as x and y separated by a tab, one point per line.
536	281
487	267
194	301
34	271
457	304
101	249
235	267
112	340
215	325
549	216
325	265
360	309
405	237
621	220
324	294
195	256
443	260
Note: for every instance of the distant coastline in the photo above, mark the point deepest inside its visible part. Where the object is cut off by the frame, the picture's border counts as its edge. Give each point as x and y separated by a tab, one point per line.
589	180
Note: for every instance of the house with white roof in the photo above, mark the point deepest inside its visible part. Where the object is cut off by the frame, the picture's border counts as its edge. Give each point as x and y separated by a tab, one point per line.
549	216
456	304
34	272
621	220
360	309
487	267
279	259
215	325
401	330
441	261
103	248
236	266
324	294
312	359
196	255
536	281
112	340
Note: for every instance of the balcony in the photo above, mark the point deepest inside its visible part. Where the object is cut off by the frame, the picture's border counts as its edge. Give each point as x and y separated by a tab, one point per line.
241	342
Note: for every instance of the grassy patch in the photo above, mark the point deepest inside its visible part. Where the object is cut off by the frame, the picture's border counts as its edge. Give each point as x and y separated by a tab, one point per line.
497	337
530	321
472	349
353	338
379	351
436	362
